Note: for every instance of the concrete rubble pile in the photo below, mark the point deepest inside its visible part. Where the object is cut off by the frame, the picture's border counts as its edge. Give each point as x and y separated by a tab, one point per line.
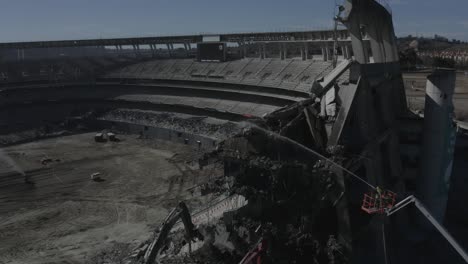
290	197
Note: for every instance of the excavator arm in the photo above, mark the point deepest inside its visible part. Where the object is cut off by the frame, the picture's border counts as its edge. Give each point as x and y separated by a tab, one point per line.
180	212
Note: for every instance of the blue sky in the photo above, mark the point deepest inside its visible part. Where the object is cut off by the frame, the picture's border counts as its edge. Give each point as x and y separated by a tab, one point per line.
29	20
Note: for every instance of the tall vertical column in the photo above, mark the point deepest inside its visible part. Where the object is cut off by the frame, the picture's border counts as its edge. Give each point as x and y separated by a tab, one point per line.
260	52
187	49
376	42
389	42
264	50
152	49
134	49
244	49
285	50
438	142
324	53
240	49
327	52
353	23
306	50
281	54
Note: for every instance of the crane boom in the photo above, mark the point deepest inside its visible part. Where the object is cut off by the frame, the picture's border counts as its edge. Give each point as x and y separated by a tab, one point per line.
411	199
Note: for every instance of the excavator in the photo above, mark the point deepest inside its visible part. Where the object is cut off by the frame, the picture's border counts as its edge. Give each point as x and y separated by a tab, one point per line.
180	212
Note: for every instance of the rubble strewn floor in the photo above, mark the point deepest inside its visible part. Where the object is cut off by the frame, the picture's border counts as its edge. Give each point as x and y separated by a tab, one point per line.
290	211
67	217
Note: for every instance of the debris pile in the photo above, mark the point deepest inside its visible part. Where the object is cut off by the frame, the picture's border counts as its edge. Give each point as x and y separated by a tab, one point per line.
290	215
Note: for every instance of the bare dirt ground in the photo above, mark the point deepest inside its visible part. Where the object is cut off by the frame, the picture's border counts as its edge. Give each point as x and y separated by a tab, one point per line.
67	218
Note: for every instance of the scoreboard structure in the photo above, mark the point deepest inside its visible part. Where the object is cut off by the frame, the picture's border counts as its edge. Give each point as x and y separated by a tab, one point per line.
211	49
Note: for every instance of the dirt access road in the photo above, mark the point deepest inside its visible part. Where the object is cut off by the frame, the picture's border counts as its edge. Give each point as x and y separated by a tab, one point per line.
67	218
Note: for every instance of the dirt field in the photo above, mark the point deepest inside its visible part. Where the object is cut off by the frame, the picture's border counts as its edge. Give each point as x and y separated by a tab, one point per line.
67	218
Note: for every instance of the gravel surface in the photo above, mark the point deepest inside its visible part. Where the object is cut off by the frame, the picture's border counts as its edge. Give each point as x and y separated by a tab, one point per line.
65	217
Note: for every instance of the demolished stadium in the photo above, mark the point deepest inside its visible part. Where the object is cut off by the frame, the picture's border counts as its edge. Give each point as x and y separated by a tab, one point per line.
249	158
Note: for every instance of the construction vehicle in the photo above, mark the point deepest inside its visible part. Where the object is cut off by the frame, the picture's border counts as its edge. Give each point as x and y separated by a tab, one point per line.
180	212
383	203
100	137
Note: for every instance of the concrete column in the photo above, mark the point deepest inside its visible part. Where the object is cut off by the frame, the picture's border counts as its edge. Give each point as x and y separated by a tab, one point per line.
138	49
169	49
281	55
306	50
354	26
438	143
302	53
240	49
152	49
324	53
376	42
285	50
260	53
389	42
186	47
327	50
262	50
244	47
155	49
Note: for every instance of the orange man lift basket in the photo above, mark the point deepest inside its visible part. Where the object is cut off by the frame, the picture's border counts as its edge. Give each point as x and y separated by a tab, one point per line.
378	202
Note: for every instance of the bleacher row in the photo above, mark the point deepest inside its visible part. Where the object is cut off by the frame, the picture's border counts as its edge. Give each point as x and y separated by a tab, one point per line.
220	105
291	74
54	70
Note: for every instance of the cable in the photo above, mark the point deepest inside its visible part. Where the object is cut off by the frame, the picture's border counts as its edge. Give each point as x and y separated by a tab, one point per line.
344	169
314	153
